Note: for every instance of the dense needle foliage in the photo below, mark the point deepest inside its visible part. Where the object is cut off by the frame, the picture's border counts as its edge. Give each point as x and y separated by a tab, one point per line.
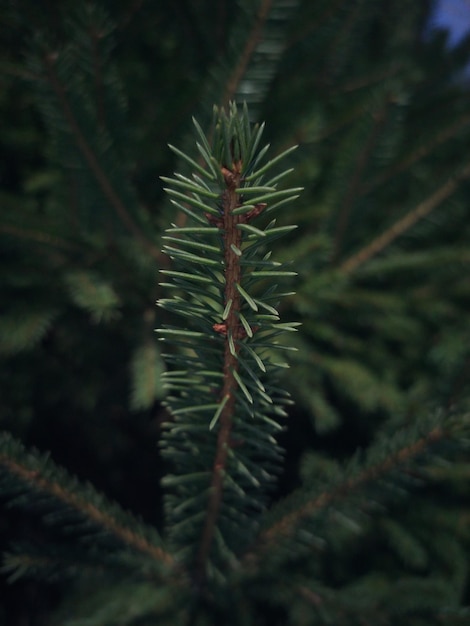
347	506
225	379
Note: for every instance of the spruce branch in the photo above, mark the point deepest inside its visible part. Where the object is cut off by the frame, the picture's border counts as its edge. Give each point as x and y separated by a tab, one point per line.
95	37
362	159
28	472
54	563
46	239
91	158
219	276
422	151
245	56
403	456
401	226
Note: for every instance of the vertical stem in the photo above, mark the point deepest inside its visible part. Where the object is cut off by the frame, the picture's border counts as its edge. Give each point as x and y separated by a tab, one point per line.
232	237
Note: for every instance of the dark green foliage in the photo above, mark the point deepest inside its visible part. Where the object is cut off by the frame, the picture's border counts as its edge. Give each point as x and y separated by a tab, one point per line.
223	383
372	456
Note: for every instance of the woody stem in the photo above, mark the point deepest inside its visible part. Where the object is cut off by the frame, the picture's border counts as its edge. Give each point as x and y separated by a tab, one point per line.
232	239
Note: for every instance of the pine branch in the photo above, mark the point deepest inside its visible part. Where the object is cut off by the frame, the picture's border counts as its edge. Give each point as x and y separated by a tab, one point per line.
394	460
95	37
400	227
38	237
221	263
379	119
54	563
419	153
285	525
91	158
36	477
19	329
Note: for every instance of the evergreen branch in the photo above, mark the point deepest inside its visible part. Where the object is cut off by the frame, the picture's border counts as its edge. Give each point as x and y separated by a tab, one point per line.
375	599
353	114
56	561
98	75
245	56
399	460
360	164
221	437
52	563
368	80
30	471
405	223
39	237
20	330
419	153
91	158
324	500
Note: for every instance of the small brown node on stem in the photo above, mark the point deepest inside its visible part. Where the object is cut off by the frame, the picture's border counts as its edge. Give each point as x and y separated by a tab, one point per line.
240	332
255	211
220	328
232	177
215	221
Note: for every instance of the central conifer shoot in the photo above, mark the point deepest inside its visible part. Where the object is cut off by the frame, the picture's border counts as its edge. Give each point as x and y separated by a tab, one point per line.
224	400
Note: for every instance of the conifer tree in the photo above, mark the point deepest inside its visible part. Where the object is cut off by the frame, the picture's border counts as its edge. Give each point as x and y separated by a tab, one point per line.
345	506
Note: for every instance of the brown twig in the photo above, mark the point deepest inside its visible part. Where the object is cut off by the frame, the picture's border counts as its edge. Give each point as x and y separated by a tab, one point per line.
247	52
95	37
87	509
351	193
231	331
286	525
39	237
92	160
422	151
406	222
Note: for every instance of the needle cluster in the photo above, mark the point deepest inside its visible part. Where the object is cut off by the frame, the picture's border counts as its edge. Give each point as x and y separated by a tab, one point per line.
224	399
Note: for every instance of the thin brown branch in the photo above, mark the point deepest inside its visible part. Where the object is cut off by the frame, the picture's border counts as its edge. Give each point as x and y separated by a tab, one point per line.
300	135
39	237
247	52
231	330
360	82
406	222
285	526
92	160
351	193
424	150
87	509
98	75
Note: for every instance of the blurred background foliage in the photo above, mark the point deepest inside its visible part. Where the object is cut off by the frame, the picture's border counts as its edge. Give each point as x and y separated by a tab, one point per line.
91	94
